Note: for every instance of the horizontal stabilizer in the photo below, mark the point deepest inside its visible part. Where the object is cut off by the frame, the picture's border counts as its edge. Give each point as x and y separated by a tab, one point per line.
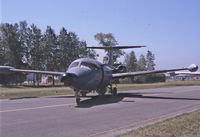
116	47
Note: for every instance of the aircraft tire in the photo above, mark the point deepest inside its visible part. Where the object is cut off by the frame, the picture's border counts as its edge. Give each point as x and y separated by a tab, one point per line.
114	91
78	101
83	94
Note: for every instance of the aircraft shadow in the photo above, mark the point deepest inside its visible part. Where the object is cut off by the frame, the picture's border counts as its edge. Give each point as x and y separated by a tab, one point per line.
155	97
95	100
99	100
109	99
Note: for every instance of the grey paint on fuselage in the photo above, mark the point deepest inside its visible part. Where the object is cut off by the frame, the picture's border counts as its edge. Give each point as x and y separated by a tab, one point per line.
89	74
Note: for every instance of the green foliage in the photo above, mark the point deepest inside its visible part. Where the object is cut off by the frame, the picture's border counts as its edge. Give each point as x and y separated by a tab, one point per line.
49	44
143	64
131	63
12	47
24	46
108	39
150	78
150	61
34	48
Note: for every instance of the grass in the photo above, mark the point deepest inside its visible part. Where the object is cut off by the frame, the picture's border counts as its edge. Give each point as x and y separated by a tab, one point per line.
13	92
186	125
31	92
157	85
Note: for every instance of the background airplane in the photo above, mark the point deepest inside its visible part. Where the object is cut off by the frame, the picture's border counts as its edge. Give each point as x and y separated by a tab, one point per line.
84	74
185	73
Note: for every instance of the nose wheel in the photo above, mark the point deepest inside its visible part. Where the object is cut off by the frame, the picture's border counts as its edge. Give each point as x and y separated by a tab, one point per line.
78	101
77	96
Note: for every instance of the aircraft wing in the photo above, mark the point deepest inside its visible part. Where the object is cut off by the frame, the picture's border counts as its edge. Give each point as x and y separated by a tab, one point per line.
186	73
191	68
10	70
37	71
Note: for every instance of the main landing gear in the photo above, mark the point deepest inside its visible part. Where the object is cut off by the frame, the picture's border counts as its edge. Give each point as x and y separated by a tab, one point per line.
113	91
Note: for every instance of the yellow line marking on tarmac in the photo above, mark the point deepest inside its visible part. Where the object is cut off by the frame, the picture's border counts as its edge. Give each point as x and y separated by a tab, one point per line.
33	108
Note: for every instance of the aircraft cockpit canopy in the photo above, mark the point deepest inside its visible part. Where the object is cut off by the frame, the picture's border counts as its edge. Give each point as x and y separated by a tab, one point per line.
74	64
88	65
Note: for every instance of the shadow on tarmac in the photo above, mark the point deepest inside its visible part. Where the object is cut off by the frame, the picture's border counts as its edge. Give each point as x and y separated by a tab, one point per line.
109	99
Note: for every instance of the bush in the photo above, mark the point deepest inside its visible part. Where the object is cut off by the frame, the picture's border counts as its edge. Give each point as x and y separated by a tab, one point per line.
151	78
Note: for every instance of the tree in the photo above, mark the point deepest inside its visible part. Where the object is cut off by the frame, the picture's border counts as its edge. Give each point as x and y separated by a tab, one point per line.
14	50
24	42
2	51
49	44
109	40
131	62
151	66
65	49
141	64
84	52
35	48
150	61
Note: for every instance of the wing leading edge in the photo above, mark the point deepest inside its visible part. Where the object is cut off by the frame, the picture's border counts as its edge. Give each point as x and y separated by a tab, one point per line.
191	68
36	71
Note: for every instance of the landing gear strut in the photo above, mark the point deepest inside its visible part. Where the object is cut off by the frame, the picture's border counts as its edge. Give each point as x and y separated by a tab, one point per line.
78	101
77	96
113	91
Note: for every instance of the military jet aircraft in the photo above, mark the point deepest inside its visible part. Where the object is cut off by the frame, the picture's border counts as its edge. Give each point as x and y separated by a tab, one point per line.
86	74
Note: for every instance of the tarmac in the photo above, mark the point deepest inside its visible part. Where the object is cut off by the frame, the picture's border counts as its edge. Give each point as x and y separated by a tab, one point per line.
96	116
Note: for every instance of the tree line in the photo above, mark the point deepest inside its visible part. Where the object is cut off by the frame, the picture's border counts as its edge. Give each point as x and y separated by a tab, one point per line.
24	46
144	63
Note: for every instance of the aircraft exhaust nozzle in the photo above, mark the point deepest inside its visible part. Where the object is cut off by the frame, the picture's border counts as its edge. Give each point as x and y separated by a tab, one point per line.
193	68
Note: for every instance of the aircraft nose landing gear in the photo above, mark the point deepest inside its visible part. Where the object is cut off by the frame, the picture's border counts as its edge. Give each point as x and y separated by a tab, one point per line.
77	96
78	101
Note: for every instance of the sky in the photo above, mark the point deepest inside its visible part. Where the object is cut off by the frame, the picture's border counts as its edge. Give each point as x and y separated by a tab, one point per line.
169	28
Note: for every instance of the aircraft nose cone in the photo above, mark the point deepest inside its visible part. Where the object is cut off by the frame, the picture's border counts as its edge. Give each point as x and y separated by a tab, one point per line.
76	78
68	78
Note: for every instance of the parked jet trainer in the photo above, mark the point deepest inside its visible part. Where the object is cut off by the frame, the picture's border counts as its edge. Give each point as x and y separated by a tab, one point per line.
84	74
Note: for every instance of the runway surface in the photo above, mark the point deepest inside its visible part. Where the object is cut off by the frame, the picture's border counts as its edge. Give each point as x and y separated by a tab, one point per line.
97	116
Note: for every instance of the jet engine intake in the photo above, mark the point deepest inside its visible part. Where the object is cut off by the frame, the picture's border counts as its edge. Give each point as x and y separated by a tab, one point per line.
120	69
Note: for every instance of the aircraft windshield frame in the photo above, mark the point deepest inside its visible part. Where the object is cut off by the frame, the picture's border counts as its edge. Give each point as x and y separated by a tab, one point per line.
88	65
74	64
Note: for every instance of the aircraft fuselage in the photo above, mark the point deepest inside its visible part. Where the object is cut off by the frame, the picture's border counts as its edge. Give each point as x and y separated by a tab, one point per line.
87	74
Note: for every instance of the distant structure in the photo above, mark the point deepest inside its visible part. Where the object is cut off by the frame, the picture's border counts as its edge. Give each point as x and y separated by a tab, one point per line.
182	77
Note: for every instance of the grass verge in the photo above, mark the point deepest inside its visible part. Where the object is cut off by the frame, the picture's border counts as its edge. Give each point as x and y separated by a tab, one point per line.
16	92
30	92
186	125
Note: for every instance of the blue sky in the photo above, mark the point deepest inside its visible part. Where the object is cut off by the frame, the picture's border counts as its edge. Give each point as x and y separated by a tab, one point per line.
169	28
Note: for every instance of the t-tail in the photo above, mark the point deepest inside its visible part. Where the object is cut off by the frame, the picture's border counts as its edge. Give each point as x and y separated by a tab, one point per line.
112	48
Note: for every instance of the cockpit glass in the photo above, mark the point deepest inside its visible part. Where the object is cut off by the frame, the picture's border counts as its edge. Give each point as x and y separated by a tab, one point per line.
74	64
89	66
